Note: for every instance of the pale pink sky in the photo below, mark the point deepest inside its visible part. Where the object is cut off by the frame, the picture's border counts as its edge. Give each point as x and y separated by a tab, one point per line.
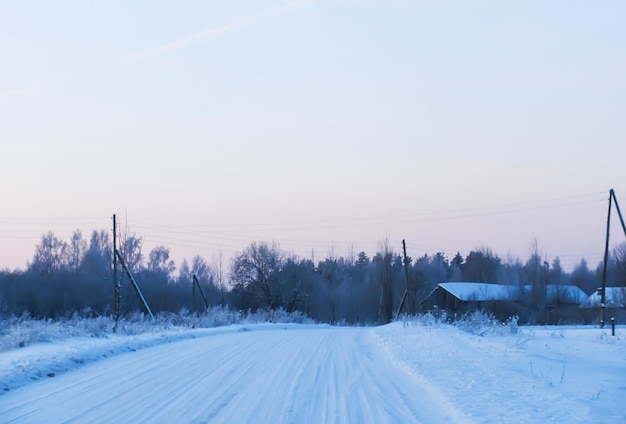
320	124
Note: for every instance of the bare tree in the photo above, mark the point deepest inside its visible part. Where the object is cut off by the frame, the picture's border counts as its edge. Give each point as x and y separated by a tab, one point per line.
481	265
331	276
535	276
201	269
618	274
256	270
97	258
50	255
76	251
130	250
219	275
184	273
384	265
159	262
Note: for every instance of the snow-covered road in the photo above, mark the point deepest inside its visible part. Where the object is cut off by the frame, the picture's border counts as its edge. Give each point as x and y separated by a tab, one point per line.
270	375
421	371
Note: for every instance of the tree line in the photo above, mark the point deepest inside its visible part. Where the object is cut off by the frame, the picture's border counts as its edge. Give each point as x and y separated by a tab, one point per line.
71	276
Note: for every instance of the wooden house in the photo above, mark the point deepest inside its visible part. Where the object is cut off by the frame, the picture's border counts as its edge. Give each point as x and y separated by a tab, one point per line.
550	303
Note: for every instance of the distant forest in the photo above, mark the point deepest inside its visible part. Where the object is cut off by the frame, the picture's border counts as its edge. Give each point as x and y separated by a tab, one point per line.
76	276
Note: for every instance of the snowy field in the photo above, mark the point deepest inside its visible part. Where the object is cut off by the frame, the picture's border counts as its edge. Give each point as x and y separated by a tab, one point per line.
405	372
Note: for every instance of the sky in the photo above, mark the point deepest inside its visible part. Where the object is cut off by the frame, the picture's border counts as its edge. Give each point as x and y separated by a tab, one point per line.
326	126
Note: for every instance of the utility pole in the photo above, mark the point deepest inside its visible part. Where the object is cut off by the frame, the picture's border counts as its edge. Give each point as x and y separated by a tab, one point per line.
116	284
606	260
135	286
407	292
195	283
406	273
602	290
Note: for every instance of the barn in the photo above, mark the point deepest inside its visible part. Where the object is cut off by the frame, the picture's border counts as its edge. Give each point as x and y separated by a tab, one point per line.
552	303
614	297
614	302
461	297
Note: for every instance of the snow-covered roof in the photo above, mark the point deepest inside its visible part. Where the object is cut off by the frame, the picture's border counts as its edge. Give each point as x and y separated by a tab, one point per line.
470	291
558	292
467	291
615	297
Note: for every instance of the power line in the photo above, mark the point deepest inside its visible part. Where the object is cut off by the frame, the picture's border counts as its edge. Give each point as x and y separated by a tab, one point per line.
442	215
230	237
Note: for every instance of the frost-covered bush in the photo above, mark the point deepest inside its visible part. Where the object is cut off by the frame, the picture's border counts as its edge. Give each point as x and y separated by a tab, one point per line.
428	319
278	316
477	322
481	323
23	330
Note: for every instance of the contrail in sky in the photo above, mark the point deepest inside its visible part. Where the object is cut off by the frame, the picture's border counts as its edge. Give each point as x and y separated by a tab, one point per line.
167	47
210	33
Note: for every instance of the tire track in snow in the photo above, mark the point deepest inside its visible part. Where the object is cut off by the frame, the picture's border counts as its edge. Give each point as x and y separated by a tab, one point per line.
436	403
303	375
387	381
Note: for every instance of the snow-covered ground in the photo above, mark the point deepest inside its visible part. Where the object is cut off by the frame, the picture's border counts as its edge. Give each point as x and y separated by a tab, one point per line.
405	372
